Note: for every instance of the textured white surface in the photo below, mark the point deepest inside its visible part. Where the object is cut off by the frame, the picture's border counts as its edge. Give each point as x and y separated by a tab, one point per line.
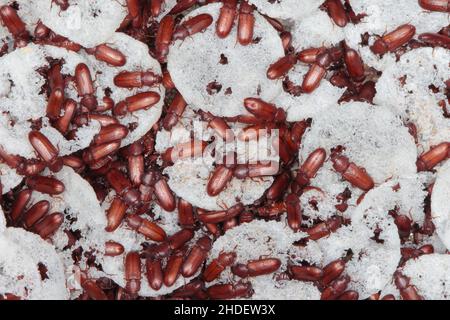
41	252
414	101
373	262
21	100
9	178
440	199
308	105
82	212
138	59
287	9
316	30
88	23
113	267
257	239
387	15
431	275
188	178
373	137
245	74
267	288
18	273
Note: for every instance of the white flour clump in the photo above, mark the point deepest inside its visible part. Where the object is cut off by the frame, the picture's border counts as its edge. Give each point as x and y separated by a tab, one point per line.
9	178
266	288
20	83
241	74
287	9
166	6
382	17
372	240
320	201
45	257
19	274
255	240
188	178
88	23
430	274
372	137
85	216
316	30
113	267
440	198
22	99
26	11
138	59
405	87
307	105
407	194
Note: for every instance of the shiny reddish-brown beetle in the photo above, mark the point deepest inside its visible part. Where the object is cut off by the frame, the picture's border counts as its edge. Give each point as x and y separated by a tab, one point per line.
336	288
215	268
22	199
332	271
149	229
123	187
294	212
174	112
115	214
281	67
113	249
196	257
230	291
154	273
219	179
15	25
132	273
354	63
435	5
246	23
306	273
48	185
164	37
173	266
46	150
435	40
264	110
137	79
49	225
85	86
337	12
256	267
433	157
219	216
182	5
226	18
310	167
139	101
407	291
192	26
323	229
357	176
35	213
394	39
109	55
